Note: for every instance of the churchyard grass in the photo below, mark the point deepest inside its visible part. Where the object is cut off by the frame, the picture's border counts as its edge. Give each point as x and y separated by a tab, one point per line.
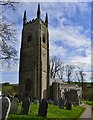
54	112
88	102
10	89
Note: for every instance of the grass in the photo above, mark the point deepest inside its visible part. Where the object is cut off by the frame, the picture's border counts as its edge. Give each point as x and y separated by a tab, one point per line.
11	89
88	102
54	112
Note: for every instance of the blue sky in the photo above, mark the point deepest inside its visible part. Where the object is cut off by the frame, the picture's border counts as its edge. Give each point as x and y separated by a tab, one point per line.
69	32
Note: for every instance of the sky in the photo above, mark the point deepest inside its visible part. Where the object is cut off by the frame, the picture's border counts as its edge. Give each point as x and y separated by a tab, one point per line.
69	33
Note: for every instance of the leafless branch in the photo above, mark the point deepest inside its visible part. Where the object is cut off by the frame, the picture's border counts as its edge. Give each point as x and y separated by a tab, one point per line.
8	36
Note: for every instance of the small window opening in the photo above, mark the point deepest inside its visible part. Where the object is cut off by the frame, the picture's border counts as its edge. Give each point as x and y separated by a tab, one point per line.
44	40
29	38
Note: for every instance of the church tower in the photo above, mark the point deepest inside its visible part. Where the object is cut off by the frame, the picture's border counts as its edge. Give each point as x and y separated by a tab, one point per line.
34	57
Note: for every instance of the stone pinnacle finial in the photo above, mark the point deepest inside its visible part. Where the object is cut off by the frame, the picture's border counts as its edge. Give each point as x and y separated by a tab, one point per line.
24	19
38	11
46	20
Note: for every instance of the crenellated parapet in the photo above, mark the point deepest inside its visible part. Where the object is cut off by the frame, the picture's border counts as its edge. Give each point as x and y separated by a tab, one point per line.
35	20
38	19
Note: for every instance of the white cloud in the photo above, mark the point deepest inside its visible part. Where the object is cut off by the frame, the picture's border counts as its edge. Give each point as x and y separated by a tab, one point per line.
80	59
70	35
57	51
54	0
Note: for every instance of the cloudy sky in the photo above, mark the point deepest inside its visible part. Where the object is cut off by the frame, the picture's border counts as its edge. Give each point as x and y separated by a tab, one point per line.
69	32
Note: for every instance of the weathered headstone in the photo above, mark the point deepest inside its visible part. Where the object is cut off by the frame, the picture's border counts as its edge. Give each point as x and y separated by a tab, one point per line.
0	107
25	106
14	105
50	101
56	102
6	104
35	101
75	103
61	103
68	105
43	106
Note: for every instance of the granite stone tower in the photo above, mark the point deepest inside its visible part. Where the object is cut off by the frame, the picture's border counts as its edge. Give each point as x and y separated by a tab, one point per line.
34	57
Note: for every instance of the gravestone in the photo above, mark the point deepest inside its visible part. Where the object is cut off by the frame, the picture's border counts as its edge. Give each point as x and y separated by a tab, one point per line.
50	101
35	101
6	104
0	107
68	105
14	105
43	106
25	106
61	103
56	102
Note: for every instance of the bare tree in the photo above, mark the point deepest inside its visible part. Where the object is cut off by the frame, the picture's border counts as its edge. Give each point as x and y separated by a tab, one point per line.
73	73
60	73
69	70
78	78
55	67
82	74
7	34
9	3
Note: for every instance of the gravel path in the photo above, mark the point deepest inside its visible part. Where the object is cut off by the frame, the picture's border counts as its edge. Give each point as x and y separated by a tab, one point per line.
87	113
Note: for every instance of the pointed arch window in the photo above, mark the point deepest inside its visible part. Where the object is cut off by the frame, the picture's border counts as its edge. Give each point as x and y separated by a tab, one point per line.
44	39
